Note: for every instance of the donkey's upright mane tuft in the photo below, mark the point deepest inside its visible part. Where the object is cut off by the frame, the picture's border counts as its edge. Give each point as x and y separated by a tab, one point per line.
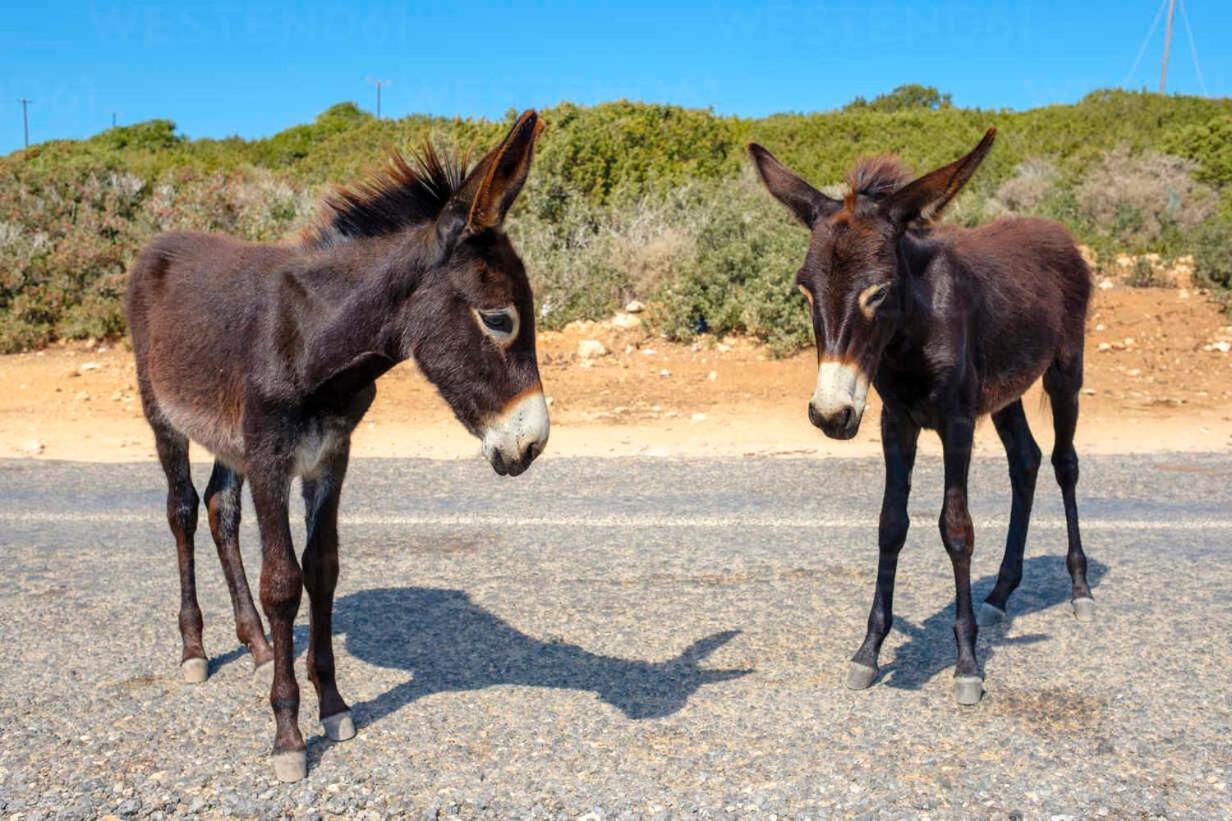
405	194
876	178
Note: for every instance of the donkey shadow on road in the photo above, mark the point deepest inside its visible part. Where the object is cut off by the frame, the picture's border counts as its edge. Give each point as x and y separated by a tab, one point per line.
449	643
929	649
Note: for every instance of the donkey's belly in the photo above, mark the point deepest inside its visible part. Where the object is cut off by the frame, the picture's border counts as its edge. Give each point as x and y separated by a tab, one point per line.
923	398
1001	388
213	427
202	404
221	434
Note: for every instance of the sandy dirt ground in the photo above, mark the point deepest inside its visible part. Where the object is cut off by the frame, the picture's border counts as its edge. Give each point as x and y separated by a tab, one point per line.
1159	378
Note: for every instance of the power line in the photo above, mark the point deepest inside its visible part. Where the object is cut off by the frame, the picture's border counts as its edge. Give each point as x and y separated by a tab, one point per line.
25	118
1163	72
1193	50
379	85
1159	13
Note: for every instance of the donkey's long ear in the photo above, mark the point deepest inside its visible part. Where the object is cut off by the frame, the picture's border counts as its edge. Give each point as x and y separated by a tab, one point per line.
926	197
803	200
484	198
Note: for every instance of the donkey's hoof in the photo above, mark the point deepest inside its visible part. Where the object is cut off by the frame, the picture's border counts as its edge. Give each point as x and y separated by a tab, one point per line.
1084	608
263	675
860	676
195	671
991	615
968	689
290	766
339	726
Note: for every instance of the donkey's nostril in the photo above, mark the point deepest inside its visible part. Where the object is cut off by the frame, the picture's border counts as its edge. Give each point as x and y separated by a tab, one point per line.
814	416
533	451
837	423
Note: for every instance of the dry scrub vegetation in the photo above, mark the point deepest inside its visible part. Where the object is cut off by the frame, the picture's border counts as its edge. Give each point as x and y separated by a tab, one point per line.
626	201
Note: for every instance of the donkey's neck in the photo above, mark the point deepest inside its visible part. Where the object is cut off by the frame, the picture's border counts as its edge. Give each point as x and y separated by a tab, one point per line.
915	254
349	312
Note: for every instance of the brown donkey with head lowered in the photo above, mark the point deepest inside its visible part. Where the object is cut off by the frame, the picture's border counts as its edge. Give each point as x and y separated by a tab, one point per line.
268	356
948	323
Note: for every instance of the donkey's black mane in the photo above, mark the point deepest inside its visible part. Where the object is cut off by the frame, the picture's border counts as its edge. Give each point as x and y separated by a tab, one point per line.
405	194
876	178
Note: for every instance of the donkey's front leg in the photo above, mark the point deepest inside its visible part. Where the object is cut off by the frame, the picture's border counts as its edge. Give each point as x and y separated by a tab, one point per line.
281	587
958	536
320	578
899	435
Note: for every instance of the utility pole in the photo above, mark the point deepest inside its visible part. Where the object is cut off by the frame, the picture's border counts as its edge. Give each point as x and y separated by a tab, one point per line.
379	85
25	117
1163	74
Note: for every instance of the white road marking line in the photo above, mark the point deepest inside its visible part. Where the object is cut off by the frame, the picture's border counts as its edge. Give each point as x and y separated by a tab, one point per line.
645	522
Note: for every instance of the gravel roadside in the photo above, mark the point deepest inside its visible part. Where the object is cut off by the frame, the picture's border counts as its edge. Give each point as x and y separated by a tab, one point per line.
630	637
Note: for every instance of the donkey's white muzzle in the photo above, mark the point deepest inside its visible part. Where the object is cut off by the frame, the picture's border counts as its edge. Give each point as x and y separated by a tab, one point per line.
512	440
838	402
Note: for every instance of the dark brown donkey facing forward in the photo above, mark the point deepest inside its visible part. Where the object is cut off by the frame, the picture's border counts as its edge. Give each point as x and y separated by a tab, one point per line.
268	355
948	323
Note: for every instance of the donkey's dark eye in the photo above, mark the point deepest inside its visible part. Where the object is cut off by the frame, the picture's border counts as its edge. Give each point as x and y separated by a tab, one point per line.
502	322
872	297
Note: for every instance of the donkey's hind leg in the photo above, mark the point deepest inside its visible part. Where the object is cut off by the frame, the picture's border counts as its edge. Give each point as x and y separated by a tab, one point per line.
1024	458
182	516
1062	381
222	503
320	563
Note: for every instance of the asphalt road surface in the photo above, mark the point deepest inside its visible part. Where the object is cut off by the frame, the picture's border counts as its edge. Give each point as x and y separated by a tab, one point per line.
632	636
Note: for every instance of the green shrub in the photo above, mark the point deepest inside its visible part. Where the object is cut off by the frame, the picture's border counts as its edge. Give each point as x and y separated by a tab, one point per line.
1212	250
718	258
1209	145
152	135
912	95
742	276
625	150
296	143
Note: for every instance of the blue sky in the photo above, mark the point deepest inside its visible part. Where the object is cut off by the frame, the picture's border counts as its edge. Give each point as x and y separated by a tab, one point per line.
253	69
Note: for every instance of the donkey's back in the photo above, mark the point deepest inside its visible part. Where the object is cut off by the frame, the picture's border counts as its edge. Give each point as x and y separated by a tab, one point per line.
1028	260
195	276
193	304
1026	289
